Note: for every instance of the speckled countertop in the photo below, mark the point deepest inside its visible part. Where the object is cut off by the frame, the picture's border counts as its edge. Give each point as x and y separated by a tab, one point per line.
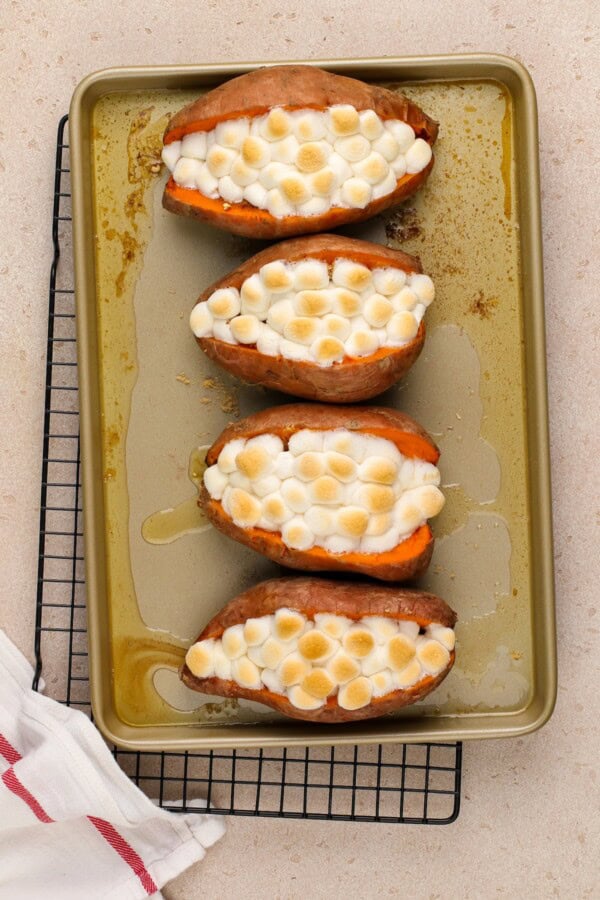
530	815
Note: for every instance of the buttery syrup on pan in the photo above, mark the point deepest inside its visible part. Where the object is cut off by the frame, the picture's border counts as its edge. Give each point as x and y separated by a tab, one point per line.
167	525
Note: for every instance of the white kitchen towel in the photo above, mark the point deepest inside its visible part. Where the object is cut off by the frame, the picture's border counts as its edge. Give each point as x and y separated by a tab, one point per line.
72	824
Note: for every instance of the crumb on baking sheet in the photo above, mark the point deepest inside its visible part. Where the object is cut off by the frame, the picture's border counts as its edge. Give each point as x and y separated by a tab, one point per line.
182	377
483	306
227	396
516	654
403	224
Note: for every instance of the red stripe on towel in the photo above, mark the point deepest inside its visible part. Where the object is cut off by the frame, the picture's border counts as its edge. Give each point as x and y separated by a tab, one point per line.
125	851
7	750
13	784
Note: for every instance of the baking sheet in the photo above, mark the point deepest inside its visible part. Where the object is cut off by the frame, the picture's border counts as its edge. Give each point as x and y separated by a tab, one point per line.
160	400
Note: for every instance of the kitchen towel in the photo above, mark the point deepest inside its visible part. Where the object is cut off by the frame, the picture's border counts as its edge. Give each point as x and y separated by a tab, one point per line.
72	824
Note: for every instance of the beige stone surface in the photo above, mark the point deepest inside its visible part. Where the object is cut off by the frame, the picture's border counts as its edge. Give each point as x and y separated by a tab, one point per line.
530	822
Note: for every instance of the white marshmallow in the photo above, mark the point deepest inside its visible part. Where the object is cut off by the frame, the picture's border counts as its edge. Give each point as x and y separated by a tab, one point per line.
361	343
285	151
398	167
295	494
383	627
309	125
228	455
284	465
356	193
340	167
194	145
337	327
277	205
338	544
170	154
255	655
297	535
373	168
280	313
277	277
275	509
257	630
306	440
186	172
222	332
312	156
272	174
321	520
387	146
333	625
201	320
207	184
254	297
423	287
389	281
311	275
421	473
265	486
293	669
220	160
299	698
215	482
382	683
232	133
379	469
375	661
325	490
246	673
444	635
294	351
382	543
429	500
402	133
409	628
407	515
245	329
351	275
243	174
229	190
233	643
353	148
288	624
352	521
371	125
274	651
268	341
343	441
418	156
379	524
256	195
224	303
222	663
294	189
272	681
386	186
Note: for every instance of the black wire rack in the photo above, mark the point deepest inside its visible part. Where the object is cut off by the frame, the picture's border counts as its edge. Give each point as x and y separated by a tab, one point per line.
393	783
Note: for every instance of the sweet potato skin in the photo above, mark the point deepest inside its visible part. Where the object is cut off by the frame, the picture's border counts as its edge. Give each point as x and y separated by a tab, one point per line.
350	381
409	560
294	87
316	595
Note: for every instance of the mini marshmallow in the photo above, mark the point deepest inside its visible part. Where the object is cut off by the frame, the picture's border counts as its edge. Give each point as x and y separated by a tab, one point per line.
319	683
316	646
401	328
273	651
418	156
400	651
353	148
215	482
325	490
379	469
233	643
277	277
229	190
352	521
325	182
254	461
316	206
244	509
402	133
280	313
409	628
245	329
255	655
309	126
222	663
256	631
312	156
312	303
373	168
358	641
288	624
277	205
256	195
293	669
170	154
207	184
356	193
228	455
200	659
432	655
186	172
383	627
385	187
423	287
340	167
376	498
377	310
337	543
444	635
343	441
272	443
299	698
256	152
340	466
387	146
297	535
429	500
265	486
355	694
294	189
292	350
284	465
327	350
275	509
321	520
246	673
224	303
311	275
201	320
272	174
309	466
285	151
342	119
302	330
342	667
408	676
371	125
272	681
361	343
407	515
376	661
222	332
389	281
345	303
295	495
268	342
382	543
254	296
242	174
336	327
276	125
333	625
382	683
304	441
232	133
379	524
351	275
398	167
220	160
405	299
193	145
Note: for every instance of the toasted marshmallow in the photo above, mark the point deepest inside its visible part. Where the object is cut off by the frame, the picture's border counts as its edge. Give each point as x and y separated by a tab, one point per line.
382	683
444	635
387	146
299	698
227	456
361	343
256	195
277	205
246	673
389	281
272	681
242	174
327	350
351	275
201	320
294	188
407	515
316	646
232	133
255	297
244	509
376	661
245	329
288	624
311	275
352	521
324	182
272	174
383	627
215	482
358	641
170	154
342	667
400	651
285	151
224	303
379	524
418	156
321	520
401	328
376	498
345	303
432	655
233	643
254	461
340	466
408	676
309	125
186	172
343	119
373	168
277	277
371	125
402	133
319	683
377	310
309	466
343	441
326	490
295	495
409	628
229	190
222	663
280	313
200	659
379	469
276	125
220	160
333	625
273	651
355	694
312	303
353	148
312	156
423	287
207	184
297	535
256	631
275	510
256	152
430	500
336	327
293	669
356	193
405	299
193	145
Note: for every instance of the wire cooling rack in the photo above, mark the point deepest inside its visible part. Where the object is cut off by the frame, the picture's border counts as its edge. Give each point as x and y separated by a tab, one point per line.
409	783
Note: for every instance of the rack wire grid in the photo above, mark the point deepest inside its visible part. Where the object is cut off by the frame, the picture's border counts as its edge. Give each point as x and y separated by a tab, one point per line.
392	783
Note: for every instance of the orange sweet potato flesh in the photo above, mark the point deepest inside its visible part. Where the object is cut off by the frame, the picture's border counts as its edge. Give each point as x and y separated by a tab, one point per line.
293	87
318	595
407	560
350	381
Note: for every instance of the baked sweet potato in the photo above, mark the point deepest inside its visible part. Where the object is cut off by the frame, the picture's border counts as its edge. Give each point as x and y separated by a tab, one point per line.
364	302
325	651
327	488
348	150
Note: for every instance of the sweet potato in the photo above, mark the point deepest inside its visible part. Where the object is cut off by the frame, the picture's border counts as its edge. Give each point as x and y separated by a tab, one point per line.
348	601
407	559
293	87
